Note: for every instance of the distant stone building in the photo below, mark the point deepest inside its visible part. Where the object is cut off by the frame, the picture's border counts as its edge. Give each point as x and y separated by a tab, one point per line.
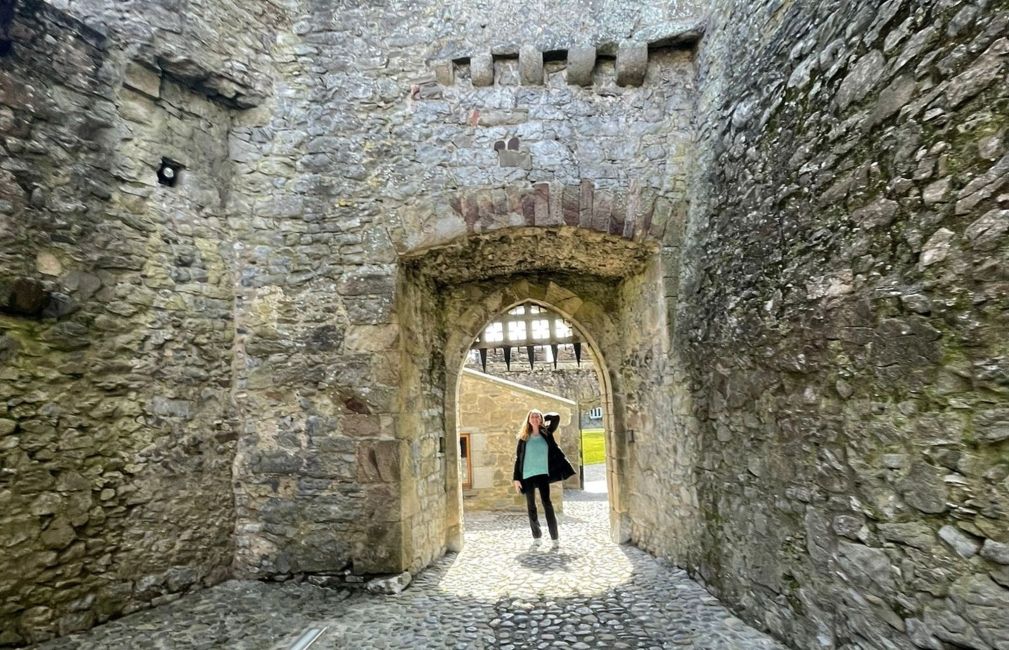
490	413
591	414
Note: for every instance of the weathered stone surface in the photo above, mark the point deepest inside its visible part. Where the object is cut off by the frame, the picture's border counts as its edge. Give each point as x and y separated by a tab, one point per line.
581	63
481	68
862	76
985	233
788	242
963	544
530	66
520	159
632	64
392	585
444	72
916	534
924	489
995	551
818	348
124	307
992	425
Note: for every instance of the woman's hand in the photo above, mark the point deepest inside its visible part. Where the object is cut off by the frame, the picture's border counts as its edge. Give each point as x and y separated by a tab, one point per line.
518	486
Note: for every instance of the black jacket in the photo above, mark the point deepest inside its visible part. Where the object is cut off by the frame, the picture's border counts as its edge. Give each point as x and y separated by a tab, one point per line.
558	466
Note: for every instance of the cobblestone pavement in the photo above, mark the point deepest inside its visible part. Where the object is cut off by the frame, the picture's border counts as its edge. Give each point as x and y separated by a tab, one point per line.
499	592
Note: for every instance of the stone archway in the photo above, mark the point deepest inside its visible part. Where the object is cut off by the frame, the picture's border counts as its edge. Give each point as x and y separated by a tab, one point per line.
614	290
555	297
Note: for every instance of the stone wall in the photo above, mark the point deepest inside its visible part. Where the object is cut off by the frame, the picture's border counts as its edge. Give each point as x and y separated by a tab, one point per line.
844	317
116	434
488	410
256	362
378	149
221	49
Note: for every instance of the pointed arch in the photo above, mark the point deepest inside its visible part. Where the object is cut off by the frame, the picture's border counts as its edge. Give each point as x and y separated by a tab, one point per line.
587	309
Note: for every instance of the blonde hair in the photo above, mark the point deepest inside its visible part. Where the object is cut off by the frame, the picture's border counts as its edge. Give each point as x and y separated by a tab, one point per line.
526	429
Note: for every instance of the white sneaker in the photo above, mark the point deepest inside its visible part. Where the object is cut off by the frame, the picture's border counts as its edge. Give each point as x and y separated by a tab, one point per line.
555	544
536	542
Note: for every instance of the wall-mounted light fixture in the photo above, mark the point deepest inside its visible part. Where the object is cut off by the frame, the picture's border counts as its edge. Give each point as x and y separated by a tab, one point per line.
168	172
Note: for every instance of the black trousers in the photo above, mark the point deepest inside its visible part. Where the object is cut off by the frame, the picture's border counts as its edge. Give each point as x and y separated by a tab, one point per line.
540	483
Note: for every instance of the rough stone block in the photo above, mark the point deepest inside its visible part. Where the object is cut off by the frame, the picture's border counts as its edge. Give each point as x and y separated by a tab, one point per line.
530	66
529	208
632	63
581	62
143	80
965	545
586	191
542	205
499	118
444	72
378	461
481	70
995	551
520	159
570	205
391	585
618	214
602	205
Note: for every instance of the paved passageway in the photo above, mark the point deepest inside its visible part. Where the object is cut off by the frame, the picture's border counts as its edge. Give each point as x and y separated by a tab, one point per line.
498	593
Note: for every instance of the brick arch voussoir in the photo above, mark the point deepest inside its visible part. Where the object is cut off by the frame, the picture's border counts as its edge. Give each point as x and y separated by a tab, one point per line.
631	214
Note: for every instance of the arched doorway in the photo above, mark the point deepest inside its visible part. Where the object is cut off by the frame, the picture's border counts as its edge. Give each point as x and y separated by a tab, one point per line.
613	291
489	407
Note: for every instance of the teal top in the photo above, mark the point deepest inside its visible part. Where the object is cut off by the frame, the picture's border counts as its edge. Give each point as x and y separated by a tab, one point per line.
535	462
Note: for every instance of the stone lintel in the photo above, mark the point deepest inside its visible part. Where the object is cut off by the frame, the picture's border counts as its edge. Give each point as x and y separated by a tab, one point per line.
481	69
632	63
581	62
530	66
505	50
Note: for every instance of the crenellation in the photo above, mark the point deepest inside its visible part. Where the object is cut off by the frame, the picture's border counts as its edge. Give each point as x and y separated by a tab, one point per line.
626	64
481	70
530	66
632	62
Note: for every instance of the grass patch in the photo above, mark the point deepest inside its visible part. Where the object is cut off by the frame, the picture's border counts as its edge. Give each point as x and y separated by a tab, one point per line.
593	446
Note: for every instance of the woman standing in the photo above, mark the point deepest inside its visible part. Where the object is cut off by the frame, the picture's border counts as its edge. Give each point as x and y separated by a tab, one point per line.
538	463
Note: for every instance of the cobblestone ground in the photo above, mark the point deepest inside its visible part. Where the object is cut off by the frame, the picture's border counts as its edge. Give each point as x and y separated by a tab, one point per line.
498	593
